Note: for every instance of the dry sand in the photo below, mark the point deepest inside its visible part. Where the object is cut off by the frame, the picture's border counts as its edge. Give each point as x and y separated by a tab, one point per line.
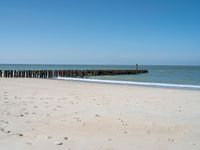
38	114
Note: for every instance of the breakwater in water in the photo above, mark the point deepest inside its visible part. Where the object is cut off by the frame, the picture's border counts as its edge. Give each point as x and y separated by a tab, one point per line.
64	73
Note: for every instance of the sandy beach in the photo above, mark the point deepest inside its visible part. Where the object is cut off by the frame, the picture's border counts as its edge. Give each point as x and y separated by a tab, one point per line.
38	114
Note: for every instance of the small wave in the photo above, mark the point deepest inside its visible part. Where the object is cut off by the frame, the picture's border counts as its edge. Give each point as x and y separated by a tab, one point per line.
132	83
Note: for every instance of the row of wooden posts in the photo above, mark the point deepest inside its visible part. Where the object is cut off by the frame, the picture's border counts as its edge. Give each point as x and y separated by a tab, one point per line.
64	73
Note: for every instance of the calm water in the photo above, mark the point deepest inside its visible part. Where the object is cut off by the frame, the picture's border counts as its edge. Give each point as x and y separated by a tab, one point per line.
189	75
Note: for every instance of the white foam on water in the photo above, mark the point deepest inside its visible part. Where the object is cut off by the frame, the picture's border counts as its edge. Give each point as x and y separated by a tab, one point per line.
132	83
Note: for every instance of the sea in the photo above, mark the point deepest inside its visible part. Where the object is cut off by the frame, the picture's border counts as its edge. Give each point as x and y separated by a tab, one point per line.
158	75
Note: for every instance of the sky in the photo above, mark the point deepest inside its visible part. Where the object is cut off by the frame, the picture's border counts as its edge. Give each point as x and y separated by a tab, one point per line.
151	32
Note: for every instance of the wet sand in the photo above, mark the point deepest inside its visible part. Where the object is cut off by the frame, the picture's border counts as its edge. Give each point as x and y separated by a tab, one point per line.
38	114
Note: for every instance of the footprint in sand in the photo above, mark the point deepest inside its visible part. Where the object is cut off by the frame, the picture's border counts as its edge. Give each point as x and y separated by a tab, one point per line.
50	137
20	134
1	129
59	143
97	116
8	132
78	119
171	140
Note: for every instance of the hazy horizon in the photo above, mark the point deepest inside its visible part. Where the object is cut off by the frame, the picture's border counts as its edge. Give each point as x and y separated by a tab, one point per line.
100	64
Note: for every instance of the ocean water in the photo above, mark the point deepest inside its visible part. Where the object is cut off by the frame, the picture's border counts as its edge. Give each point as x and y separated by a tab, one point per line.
161	75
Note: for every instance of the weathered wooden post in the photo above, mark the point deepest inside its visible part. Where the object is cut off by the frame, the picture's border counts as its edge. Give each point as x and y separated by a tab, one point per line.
27	74
33	73
15	73
136	68
8	72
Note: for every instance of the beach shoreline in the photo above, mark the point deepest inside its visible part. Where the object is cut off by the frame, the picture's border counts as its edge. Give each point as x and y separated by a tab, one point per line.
58	114
132	83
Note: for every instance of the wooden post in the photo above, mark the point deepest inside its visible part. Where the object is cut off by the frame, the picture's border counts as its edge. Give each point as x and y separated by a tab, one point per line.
136	68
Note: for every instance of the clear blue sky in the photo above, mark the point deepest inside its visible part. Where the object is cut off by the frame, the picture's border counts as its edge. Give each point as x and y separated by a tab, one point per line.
100	31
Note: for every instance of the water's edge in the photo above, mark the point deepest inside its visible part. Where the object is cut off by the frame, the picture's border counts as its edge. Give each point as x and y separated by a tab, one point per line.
147	84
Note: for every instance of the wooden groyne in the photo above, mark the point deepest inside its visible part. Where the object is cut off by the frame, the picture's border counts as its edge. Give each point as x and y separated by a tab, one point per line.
64	73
